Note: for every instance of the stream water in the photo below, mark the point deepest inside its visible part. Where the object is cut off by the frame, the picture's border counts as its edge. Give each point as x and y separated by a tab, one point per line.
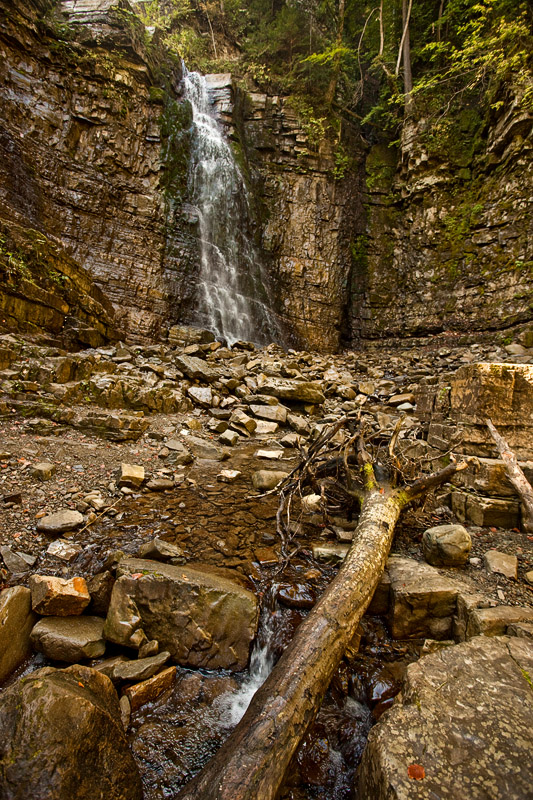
232	292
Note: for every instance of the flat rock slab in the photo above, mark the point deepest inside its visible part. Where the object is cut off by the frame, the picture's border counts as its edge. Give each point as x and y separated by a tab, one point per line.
288	389
423	602
501	563
16	623
61	597
141	669
202	619
60	522
196	368
69	639
463	722
61	737
149	690
495	621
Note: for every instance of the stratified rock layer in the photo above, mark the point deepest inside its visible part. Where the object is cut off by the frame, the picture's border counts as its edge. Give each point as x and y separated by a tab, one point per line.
462	725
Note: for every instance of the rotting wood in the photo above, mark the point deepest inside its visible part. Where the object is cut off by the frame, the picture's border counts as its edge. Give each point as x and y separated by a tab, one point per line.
516	476
252	763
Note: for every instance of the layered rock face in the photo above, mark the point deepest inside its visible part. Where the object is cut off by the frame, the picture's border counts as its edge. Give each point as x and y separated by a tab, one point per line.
447	245
91	150
310	210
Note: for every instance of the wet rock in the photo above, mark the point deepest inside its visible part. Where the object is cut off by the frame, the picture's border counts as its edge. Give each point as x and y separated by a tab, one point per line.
446	545
61	737
43	471
60	522
16	623
66	551
16	562
100	587
456	744
69	639
501	563
60	597
131	475
335	553
149	690
422	601
264	480
296	595
202	619
286	389
159	550
140	669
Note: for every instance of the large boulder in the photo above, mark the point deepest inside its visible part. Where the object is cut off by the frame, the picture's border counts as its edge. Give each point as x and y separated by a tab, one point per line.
59	597
460	728
202	619
61	737
16	623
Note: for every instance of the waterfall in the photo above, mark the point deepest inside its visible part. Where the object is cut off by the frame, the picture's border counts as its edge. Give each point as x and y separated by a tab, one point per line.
232	295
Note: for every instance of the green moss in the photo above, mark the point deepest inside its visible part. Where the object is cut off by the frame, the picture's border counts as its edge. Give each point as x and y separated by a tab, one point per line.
175	125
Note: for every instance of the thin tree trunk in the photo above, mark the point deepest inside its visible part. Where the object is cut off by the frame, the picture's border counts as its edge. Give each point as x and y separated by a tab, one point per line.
252	763
332	88
404	53
516	476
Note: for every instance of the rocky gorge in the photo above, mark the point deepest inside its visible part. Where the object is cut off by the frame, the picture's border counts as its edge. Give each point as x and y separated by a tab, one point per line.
151	221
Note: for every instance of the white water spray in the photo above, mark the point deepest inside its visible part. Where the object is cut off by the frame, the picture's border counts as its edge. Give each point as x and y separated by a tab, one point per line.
233	297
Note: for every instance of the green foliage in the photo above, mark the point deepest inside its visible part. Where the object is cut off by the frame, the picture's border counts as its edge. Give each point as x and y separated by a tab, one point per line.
314	127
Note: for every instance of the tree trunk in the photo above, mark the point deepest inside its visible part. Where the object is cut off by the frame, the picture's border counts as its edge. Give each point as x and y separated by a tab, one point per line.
516	476
252	763
332	88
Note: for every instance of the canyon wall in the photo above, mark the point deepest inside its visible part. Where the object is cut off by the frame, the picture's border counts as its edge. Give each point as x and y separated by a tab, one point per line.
359	241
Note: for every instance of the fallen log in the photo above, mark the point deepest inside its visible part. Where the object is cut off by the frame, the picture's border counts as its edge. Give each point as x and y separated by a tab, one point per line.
516	476
252	763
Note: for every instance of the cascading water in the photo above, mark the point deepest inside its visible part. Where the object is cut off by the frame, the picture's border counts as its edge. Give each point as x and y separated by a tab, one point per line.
233	299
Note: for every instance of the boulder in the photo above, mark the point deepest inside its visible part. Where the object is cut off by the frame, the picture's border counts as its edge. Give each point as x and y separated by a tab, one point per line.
66	551
16	562
69	639
186	335
201	395
446	545
289	389
60	522
16	623
61	737
276	413
43	471
60	597
422	602
100	587
460	728
202	619
180	454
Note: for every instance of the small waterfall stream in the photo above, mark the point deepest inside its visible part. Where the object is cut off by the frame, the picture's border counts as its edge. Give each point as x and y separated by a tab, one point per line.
232	295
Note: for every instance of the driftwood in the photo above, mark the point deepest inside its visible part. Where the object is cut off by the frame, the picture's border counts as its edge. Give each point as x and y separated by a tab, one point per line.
516	476
252	763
